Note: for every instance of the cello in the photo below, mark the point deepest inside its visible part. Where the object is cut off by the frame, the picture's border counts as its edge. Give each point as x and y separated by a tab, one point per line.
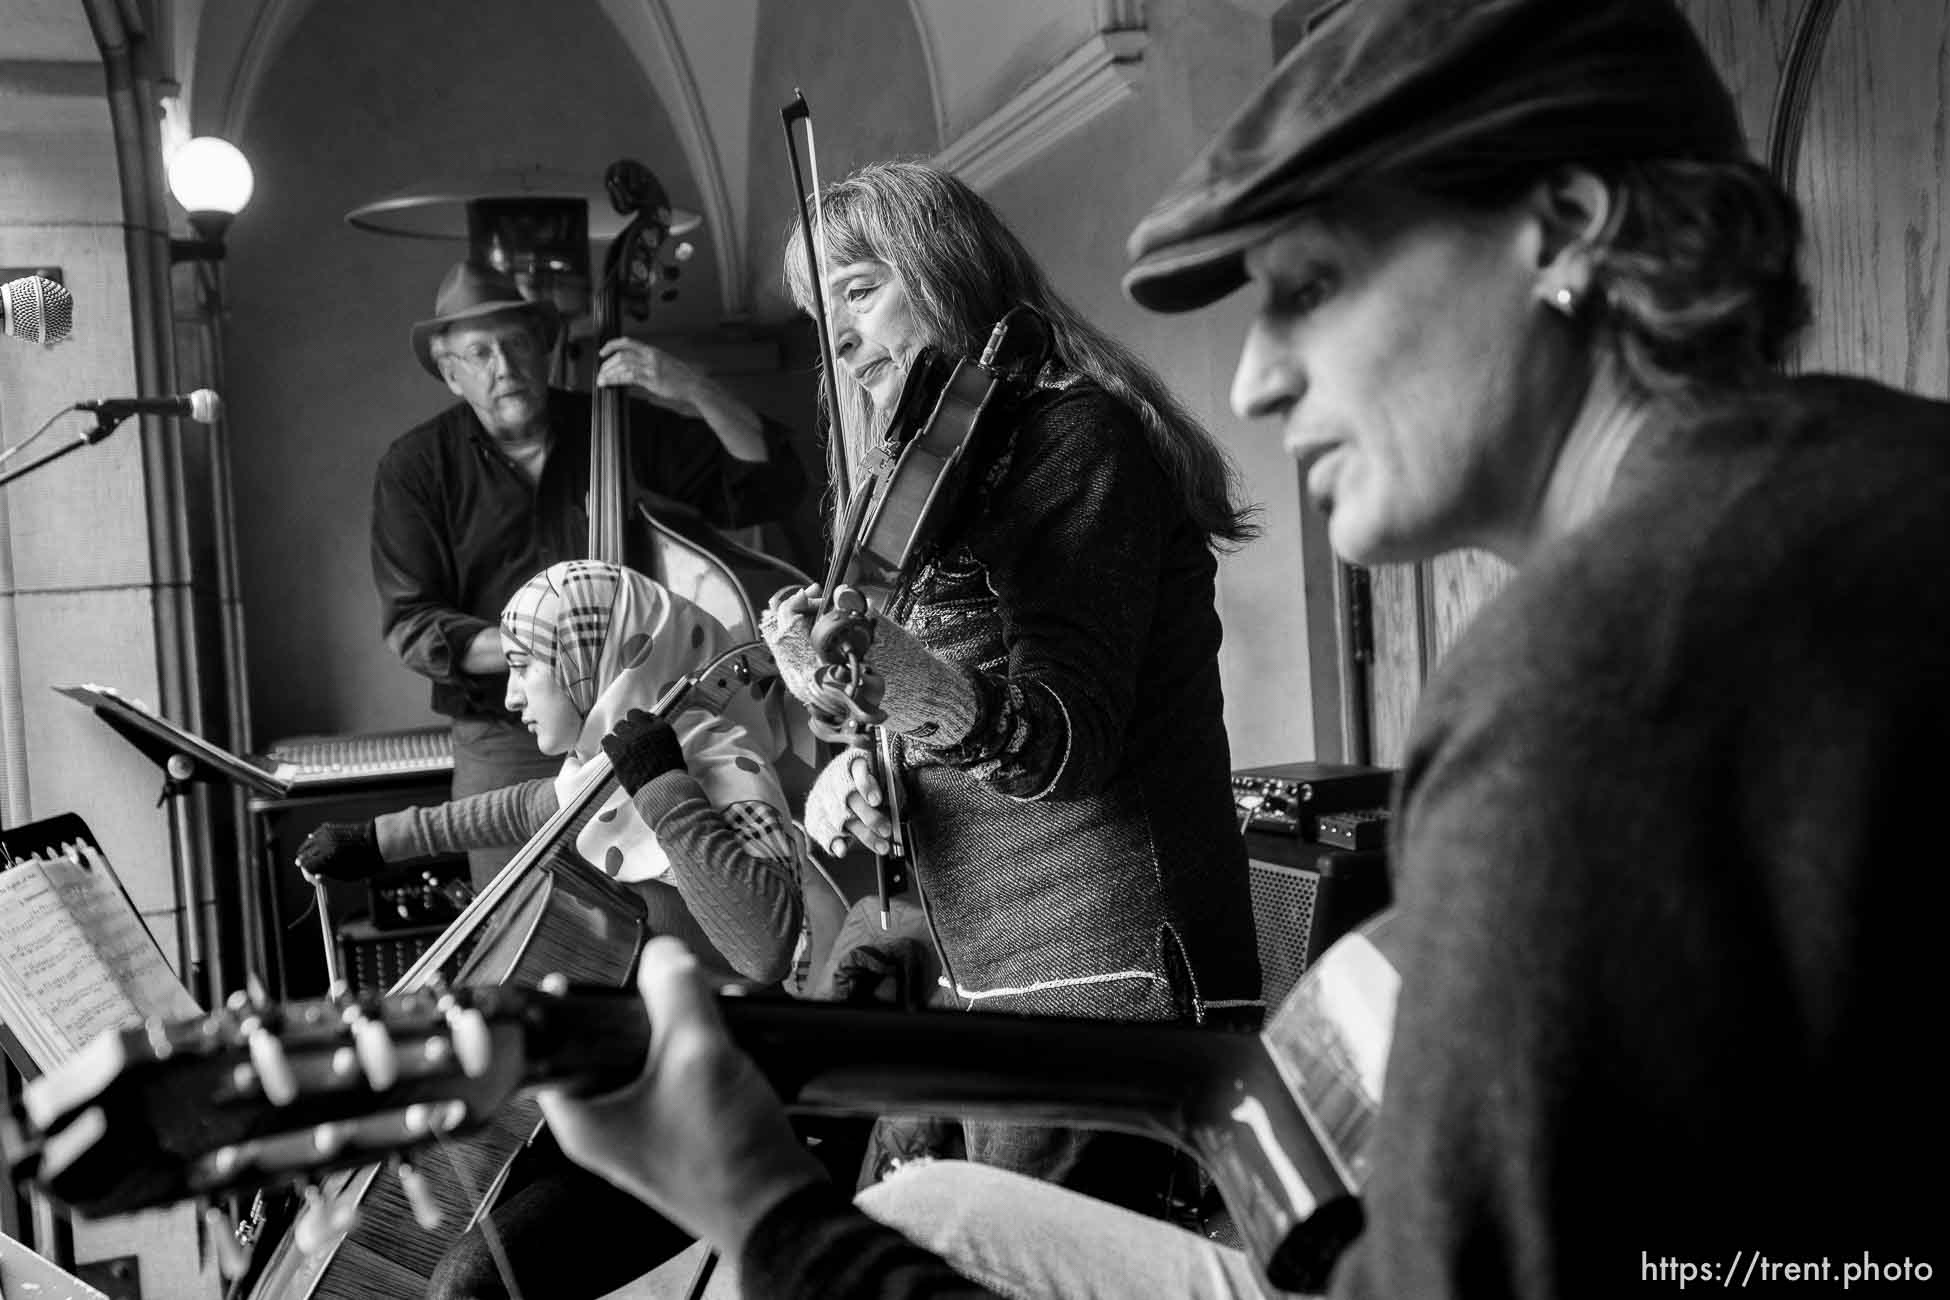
675	544
379	1232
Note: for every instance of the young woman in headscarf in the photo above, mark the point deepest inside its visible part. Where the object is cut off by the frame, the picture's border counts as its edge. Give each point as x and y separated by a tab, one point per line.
699	830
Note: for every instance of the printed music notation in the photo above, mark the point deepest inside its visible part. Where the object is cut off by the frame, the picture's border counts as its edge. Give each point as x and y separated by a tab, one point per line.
75	959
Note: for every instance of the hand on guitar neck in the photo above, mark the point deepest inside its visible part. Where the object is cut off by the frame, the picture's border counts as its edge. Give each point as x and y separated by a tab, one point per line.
677	1094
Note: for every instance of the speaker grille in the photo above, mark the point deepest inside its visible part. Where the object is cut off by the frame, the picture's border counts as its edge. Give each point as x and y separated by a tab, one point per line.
1283	917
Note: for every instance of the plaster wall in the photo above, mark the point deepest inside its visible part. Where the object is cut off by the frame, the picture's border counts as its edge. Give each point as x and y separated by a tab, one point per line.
369	97
1075	206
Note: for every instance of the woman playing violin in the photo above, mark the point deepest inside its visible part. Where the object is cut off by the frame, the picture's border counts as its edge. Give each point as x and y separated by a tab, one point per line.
1050	673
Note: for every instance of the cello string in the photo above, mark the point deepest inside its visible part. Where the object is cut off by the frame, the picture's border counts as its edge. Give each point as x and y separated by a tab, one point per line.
485	1219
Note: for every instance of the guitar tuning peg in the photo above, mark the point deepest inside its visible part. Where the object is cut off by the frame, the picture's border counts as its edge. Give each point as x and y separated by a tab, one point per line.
419	1195
319	1220
374	1047
272	1065
310	1232
473	1043
431	1119
329	1139
232	1258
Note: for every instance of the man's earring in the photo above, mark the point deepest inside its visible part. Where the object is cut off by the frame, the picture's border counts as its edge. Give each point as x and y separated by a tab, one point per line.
1565	300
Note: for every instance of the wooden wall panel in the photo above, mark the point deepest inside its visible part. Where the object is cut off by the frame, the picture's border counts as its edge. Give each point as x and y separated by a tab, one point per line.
1748	40
1870	173
1400	658
1459	584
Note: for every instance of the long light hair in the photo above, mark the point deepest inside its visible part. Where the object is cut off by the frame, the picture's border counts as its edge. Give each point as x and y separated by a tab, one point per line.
963	268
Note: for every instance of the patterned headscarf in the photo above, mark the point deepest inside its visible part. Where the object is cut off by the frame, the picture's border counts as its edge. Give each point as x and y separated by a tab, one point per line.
615	640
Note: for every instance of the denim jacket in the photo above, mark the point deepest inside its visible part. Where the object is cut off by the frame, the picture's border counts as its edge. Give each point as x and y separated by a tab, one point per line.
1076	850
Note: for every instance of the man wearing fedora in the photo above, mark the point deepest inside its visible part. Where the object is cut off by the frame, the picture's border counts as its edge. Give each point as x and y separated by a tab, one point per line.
471	503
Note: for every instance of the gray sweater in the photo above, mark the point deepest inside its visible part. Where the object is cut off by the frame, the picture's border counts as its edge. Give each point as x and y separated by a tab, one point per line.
1668	891
732	893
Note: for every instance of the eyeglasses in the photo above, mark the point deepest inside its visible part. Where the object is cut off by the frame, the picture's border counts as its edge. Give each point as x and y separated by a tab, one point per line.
514	349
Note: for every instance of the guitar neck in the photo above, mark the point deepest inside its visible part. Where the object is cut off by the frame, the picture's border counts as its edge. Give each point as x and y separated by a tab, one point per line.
289	1091
1217	1094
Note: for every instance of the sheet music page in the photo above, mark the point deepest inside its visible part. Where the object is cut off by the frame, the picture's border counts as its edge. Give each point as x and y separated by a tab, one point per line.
54	980
77	953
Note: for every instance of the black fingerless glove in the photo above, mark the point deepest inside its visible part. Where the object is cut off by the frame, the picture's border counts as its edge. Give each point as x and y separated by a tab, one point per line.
341	851
641	749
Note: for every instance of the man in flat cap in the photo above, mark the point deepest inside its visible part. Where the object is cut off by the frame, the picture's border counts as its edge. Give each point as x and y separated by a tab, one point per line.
472	503
1656	926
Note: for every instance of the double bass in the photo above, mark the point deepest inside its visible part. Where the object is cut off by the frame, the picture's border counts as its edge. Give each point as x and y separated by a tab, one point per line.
672	543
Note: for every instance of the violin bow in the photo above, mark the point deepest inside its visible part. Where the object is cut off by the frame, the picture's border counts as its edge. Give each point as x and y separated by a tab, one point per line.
849	512
812	227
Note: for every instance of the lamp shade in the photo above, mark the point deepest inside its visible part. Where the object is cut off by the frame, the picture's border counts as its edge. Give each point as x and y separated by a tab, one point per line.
438	209
210	175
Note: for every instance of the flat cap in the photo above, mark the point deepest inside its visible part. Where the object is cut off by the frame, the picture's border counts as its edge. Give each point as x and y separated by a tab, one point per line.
1389	86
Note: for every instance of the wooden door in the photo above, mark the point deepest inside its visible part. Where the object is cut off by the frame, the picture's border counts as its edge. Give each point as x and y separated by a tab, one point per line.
1849	102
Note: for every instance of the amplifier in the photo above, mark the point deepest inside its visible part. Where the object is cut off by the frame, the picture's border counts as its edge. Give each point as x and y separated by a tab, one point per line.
371	960
1305	896
434	893
1285	799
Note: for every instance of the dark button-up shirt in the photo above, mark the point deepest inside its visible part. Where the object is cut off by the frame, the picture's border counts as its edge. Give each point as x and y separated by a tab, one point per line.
457	527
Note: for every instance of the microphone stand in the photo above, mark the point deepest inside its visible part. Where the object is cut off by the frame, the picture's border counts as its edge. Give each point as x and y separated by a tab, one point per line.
104	425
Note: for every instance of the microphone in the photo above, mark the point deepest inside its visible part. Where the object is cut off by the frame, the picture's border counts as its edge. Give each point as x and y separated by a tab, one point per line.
37	309
203	406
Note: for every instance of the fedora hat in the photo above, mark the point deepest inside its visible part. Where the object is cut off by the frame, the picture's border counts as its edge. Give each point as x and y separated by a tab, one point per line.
470	292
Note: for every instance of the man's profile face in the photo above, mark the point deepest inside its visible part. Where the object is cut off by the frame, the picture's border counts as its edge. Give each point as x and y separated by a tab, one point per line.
498	366
1395	347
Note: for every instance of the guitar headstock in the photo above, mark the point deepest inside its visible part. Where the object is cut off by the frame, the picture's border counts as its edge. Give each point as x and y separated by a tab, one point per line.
259	1095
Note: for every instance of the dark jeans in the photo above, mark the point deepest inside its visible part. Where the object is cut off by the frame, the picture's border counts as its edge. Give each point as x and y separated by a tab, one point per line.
1137	1173
488	754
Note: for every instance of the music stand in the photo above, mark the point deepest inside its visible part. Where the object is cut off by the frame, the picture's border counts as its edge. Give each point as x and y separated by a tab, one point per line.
184	757
165	743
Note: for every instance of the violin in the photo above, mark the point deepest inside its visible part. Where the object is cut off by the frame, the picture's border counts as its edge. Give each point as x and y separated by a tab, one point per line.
940	424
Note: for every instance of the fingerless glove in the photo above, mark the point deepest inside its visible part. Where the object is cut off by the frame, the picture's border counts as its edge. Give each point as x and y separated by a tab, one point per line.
341	851
641	748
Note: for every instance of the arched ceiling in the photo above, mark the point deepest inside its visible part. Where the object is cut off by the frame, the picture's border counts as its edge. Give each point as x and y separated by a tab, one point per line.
697	58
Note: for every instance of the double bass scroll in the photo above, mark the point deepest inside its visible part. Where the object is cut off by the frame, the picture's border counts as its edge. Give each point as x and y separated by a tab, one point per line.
675	544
